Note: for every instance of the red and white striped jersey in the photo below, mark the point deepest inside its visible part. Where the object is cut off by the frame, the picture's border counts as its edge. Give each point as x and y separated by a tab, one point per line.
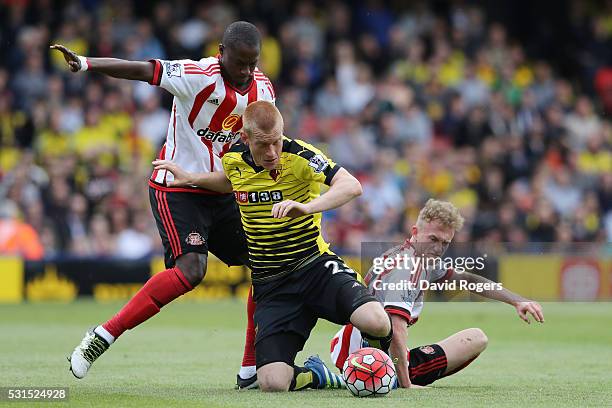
206	115
398	288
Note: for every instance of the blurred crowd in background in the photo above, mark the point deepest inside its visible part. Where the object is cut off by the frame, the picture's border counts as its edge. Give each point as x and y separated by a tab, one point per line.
417	100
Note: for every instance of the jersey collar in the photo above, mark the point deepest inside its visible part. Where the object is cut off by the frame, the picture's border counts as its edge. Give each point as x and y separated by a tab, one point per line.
248	159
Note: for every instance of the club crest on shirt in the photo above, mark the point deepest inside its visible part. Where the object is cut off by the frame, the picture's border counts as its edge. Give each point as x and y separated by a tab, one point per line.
173	69
318	163
427	349
241	196
194	239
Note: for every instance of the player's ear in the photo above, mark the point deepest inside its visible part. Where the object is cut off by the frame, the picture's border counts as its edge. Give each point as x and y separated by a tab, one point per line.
414	230
244	137
221	48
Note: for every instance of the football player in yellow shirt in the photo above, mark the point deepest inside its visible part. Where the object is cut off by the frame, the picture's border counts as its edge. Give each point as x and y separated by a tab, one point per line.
296	278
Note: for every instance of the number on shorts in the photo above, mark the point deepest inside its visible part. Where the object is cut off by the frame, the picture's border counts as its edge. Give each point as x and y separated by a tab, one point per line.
339	267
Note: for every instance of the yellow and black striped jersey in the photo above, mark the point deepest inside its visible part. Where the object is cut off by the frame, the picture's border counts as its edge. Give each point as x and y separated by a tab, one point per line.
279	246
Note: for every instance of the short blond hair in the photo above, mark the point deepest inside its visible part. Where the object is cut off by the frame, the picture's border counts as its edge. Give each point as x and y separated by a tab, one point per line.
261	118
443	212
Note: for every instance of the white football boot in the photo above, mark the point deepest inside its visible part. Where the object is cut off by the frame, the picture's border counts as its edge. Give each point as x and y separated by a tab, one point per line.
92	346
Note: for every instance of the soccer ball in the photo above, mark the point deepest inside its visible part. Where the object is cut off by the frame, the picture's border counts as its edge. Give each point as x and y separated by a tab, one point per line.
369	372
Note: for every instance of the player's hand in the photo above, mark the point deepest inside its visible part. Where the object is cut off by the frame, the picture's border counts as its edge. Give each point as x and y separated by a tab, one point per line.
289	208
70	56
524	309
181	177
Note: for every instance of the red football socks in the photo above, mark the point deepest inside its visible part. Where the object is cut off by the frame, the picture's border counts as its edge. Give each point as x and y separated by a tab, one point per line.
157	292
248	359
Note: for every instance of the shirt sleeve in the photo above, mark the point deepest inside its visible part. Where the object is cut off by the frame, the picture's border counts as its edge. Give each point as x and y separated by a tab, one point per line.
224	162
315	166
268	93
182	78
394	300
399	310
272	93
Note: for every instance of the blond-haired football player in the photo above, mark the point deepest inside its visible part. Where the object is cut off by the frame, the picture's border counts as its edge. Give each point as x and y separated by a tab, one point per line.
400	285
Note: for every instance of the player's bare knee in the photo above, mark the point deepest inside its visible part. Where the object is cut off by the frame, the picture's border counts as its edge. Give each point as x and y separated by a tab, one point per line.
383	326
483	340
193	267
479	340
276	385
273	381
380	324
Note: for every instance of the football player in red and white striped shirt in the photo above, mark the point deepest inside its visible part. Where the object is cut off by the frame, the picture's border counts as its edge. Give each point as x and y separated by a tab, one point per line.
435	228
210	96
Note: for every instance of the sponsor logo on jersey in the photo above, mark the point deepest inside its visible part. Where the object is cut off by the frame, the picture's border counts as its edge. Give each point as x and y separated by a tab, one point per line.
221	136
214	101
318	163
194	239
173	70
229	122
255	197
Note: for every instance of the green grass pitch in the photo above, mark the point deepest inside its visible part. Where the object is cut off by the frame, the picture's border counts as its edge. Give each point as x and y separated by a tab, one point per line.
189	354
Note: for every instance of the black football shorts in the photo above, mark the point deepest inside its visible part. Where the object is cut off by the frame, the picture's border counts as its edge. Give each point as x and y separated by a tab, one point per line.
193	222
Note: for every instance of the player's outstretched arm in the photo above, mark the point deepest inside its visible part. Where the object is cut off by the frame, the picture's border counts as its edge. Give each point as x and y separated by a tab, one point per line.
215	181
399	353
397	349
342	189
117	68
523	306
